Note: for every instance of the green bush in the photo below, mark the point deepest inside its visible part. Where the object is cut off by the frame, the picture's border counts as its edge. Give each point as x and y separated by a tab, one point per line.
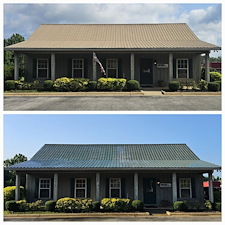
16	206
116	204
8	72
74	85
35	206
180	206
217	196
137	205
9	193
174	86
50	206
10	85
96	206
208	205
11	206
48	85
218	82
203	85
62	84
216	206
111	84
22	206
215	76
133	85
83	83
72	205
92	85
213	86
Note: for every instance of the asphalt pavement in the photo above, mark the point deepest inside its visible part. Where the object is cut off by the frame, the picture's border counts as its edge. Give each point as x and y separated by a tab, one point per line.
112	103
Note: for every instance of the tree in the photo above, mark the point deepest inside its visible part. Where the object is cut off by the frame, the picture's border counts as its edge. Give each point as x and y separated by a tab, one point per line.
10	176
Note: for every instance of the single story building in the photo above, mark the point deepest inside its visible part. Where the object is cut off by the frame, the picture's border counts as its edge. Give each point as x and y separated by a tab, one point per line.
148	172
153	54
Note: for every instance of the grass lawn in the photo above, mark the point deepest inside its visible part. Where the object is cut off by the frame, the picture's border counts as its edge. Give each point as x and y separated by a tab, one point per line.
30	212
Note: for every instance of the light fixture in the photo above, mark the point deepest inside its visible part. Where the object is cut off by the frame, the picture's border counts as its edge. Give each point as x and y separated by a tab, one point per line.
158	182
155	62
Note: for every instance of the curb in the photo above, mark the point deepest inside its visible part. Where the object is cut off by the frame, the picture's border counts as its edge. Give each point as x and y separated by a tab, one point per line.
191	93
193	213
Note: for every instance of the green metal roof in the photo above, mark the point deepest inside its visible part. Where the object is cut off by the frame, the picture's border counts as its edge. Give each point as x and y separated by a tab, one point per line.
107	156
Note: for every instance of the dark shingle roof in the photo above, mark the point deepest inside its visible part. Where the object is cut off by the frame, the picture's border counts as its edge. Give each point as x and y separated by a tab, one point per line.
106	156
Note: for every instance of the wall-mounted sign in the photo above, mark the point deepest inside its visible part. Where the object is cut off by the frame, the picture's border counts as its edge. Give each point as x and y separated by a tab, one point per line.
161	66
165	185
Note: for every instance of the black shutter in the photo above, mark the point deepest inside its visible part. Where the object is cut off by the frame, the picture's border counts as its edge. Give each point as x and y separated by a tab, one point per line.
52	187
69	74
104	66
106	187
49	69
178	188
193	189
86	69
120	69
190	68
36	188
72	186
123	190
174	68
35	68
89	188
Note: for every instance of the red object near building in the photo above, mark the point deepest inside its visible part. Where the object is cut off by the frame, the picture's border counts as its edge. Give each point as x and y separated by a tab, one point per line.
214	65
216	184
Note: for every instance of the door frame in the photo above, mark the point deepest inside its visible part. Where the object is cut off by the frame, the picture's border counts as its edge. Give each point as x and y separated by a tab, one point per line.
151	72
154	190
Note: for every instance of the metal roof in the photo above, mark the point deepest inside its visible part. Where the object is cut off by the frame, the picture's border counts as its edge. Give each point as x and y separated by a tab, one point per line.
112	156
113	36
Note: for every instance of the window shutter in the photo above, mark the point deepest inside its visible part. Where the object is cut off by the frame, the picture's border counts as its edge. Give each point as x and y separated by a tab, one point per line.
36	188
190	63
72	186
49	69
89	188
107	188
103	61
123	190
86	68
193	189
52	187
120	69
69	68
174	68
178	188
35	68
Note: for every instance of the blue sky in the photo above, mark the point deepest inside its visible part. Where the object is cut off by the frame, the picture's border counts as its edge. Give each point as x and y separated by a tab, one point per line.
26	134
203	19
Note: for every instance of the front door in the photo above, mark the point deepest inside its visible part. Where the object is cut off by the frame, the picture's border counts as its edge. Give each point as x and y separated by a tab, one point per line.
146	72
149	190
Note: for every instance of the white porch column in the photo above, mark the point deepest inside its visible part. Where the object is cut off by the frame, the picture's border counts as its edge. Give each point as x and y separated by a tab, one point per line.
132	66
16	67
170	67
17	191
52	66
136	186
174	186
211	197
94	70
97	186
55	188
207	77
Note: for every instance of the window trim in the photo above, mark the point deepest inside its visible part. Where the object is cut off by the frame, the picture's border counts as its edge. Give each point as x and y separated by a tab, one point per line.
185	188
75	187
42	68
39	188
114	188
182	68
78	68
107	68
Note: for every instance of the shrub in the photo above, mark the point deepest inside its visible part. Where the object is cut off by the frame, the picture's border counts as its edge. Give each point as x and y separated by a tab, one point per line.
62	84
50	206
22	206
48	85
111	84
9	193
83	83
174	86
16	206
92	85
215	76
38	85
116	204
180	206
218	82
208	205
203	85
11	206
133	85
213	86
35	206
8	72
216	206
96	206
71	205
74	85
138	205
217	196
10	85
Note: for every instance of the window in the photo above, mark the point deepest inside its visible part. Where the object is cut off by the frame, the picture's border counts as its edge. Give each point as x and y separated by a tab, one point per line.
42	68
115	188
80	188
44	188
182	68
78	68
185	188
112	68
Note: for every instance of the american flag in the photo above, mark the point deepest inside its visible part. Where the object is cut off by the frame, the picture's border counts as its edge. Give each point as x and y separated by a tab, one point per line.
95	58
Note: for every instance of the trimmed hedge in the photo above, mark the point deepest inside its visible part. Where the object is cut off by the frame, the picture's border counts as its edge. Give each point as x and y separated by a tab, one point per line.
10	85
111	84
180	206
217	196
174	86
9	193
215	76
11	206
137	205
216	206
116	204
50	206
203	85
96	206
16	206
133	85
213	86
92	85
48	85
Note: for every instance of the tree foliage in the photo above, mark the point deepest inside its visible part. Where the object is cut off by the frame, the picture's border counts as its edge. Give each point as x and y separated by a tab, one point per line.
10	176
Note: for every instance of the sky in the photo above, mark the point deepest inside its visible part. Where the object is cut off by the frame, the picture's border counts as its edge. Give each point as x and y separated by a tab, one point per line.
203	19
27	133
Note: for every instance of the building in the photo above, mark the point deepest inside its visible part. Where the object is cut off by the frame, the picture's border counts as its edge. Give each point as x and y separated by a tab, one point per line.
149	172
153	54
215	66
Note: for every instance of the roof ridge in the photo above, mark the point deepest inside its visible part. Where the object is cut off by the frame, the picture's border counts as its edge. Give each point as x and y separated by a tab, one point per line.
110	23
